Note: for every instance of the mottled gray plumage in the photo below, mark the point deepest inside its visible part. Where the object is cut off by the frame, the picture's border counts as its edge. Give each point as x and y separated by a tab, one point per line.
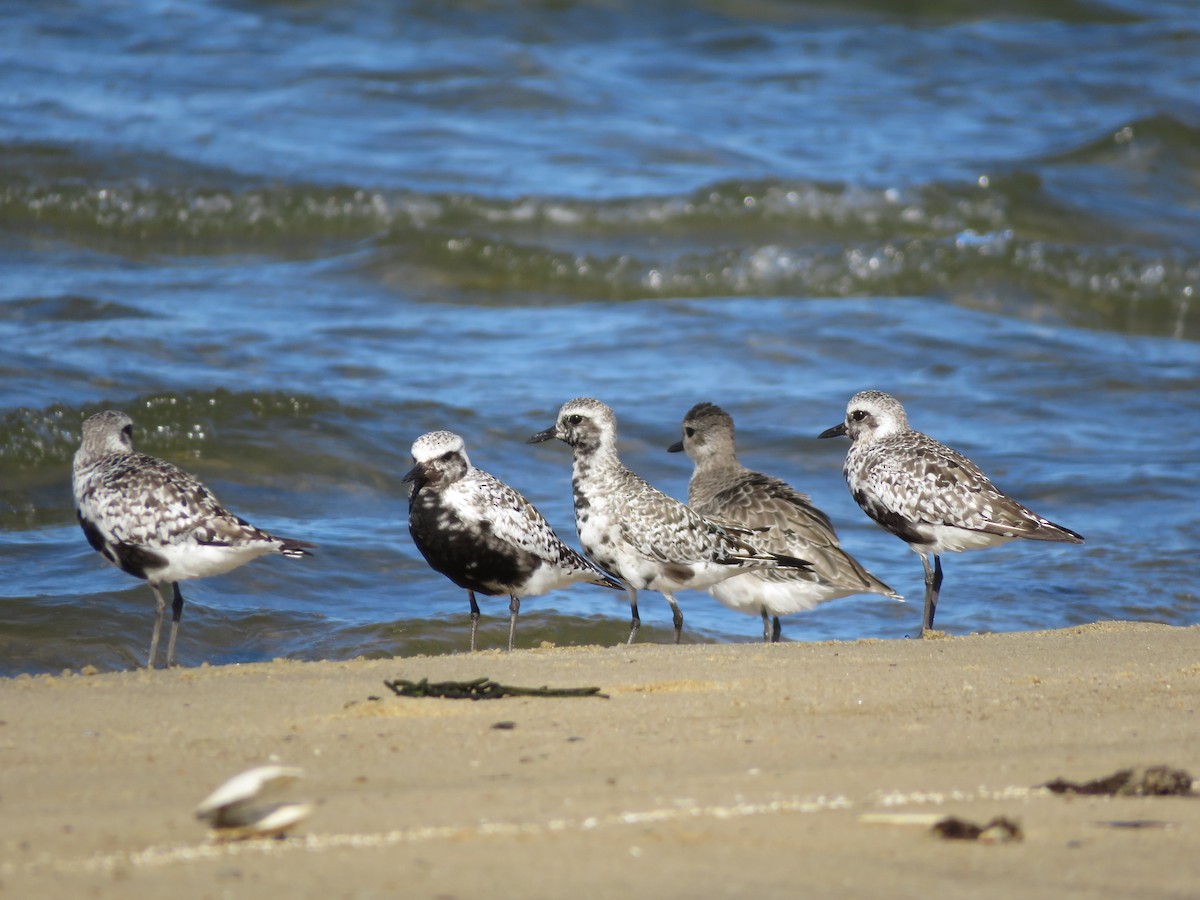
785	521
483	535
652	541
157	522
926	493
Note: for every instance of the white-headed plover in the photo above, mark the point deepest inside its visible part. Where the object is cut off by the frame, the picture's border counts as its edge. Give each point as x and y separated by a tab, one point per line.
927	494
155	521
785	521
483	535
652	541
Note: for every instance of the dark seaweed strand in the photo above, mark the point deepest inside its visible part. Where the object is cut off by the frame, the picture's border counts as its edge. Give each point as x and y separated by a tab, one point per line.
481	689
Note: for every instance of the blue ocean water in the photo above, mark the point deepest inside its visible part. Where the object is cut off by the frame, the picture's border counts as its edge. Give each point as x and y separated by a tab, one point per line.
288	238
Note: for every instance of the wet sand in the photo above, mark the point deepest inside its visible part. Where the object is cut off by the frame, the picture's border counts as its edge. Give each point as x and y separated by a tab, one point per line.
797	769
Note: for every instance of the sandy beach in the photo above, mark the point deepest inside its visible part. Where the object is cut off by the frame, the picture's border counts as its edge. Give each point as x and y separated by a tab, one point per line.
710	770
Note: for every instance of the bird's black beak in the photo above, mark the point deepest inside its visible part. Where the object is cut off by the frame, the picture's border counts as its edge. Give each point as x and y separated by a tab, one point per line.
542	436
676	447
835	431
414	476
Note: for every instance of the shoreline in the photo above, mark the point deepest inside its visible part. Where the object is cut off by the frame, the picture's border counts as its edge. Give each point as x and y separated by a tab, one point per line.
710	770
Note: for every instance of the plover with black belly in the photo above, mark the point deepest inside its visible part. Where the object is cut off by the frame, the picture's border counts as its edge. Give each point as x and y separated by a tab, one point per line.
651	541
483	535
785	521
926	493
156	522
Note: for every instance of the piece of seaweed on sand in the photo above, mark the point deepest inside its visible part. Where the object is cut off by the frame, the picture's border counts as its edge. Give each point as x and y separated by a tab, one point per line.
481	689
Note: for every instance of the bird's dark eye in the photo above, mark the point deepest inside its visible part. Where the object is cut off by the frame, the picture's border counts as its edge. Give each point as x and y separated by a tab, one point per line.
858	415
447	456
575	419
128	431
690	432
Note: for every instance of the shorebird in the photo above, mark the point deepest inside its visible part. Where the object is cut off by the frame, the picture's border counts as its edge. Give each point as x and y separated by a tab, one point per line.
156	522
784	520
652	541
926	493
483	535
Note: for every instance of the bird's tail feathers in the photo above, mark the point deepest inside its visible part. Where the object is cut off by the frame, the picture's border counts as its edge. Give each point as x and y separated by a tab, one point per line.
608	581
773	560
295	549
745	550
875	586
791	562
1049	531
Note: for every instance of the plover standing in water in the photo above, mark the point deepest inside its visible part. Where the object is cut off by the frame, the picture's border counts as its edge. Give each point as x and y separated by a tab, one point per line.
926	493
156	522
483	535
652	541
785	521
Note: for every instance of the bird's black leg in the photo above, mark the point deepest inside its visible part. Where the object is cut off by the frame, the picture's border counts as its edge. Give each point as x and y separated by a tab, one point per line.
933	585
676	616
474	617
514	607
176	615
160	605
766	617
776	630
635	621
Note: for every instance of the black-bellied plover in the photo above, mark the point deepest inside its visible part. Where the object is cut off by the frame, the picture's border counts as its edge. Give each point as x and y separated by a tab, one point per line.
926	493
651	541
784	520
155	521
483	535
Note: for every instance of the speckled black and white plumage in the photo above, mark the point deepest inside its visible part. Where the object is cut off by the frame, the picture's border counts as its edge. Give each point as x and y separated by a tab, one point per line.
786	521
483	535
157	522
652	541
926	493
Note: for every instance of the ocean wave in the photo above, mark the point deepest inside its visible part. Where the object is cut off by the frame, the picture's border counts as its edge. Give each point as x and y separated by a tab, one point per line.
1164	137
74	195
1004	235
1139	290
1078	11
64	308
165	422
100	198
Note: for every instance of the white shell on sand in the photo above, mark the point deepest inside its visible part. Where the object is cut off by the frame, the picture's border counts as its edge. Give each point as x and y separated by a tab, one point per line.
234	809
